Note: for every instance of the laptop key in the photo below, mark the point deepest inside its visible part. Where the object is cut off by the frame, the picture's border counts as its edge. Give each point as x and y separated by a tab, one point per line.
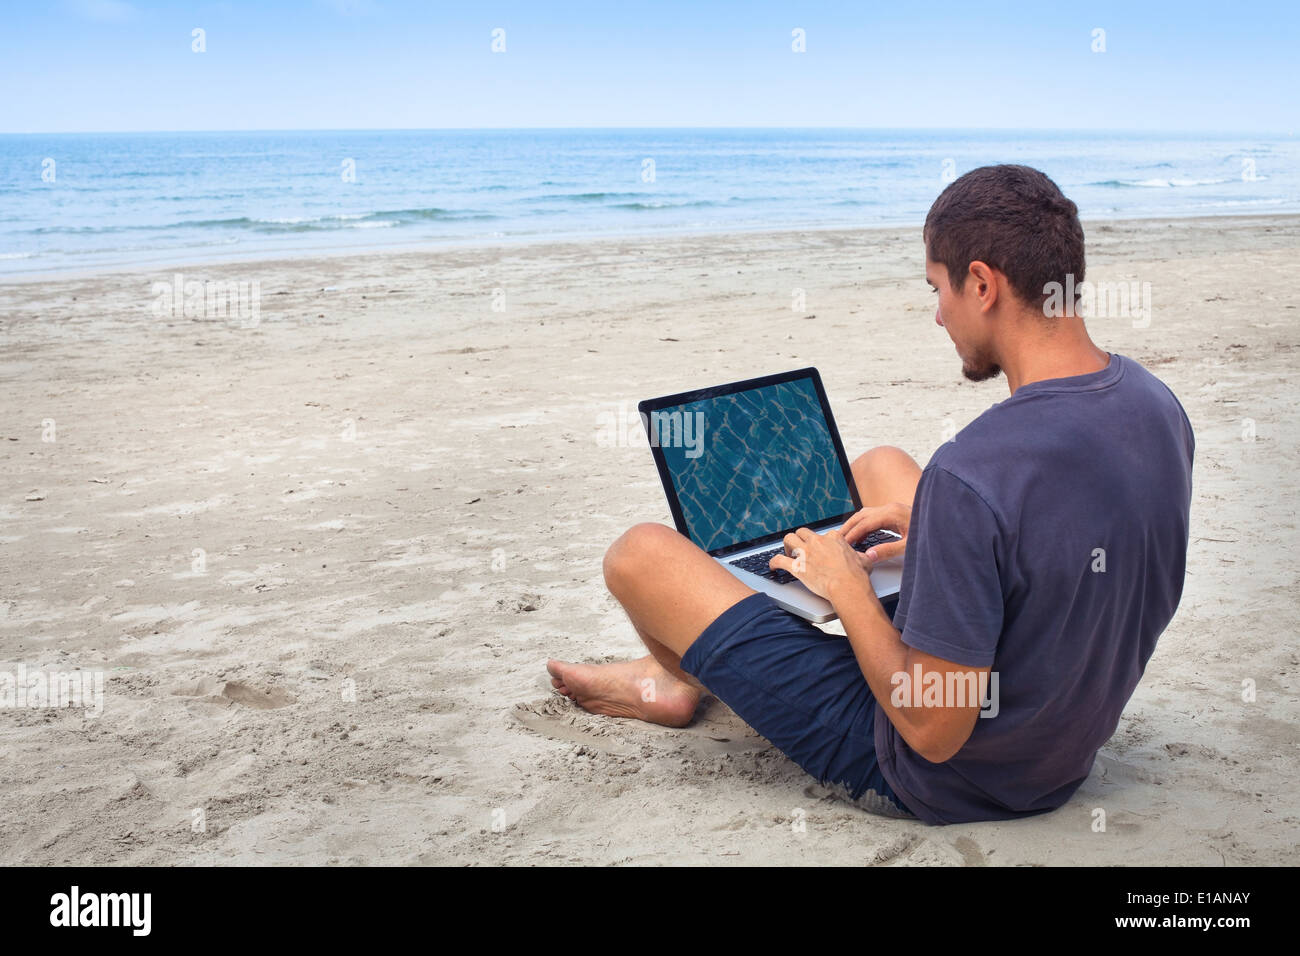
876	537
759	563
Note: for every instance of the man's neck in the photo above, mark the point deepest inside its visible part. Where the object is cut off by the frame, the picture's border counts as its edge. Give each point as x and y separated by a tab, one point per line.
1068	353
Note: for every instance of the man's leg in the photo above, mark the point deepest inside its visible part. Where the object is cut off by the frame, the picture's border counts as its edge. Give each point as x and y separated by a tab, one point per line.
672	591
886	474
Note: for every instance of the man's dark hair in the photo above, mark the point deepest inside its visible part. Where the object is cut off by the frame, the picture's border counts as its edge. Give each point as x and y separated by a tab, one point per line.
1014	219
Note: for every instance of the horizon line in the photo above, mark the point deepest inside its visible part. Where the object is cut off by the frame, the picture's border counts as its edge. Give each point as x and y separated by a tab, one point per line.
488	129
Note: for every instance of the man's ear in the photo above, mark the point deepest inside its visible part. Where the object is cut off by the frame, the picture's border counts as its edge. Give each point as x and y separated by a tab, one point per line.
986	282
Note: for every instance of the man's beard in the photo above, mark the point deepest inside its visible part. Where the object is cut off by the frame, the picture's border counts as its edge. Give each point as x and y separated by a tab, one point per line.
981	368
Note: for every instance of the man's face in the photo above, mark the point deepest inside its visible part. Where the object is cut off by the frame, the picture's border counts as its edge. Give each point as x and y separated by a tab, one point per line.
959	314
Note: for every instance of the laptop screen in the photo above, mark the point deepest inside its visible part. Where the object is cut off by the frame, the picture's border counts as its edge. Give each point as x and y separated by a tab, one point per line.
750	460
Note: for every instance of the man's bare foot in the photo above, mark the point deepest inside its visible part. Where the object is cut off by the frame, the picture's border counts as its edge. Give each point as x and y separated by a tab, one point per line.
622	689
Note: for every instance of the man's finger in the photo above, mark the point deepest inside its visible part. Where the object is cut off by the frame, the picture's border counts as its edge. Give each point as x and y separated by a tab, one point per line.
883	552
862	524
871	519
781	562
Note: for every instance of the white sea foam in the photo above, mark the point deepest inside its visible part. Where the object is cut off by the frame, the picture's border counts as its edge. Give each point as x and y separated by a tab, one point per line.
1171	183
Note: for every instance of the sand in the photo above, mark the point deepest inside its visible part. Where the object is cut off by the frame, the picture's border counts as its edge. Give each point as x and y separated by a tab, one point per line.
319	560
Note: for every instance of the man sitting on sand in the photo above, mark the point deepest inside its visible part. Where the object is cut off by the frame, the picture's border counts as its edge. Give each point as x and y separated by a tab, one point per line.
1044	546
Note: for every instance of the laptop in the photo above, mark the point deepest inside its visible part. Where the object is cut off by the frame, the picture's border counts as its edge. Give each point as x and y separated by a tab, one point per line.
745	464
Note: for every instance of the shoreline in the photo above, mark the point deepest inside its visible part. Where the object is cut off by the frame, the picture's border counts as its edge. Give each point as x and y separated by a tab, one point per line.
281	258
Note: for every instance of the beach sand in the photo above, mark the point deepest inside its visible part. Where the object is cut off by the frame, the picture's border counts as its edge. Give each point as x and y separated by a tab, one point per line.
321	560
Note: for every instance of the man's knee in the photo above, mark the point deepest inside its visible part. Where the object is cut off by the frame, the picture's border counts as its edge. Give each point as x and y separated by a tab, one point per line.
882	456
884	474
635	550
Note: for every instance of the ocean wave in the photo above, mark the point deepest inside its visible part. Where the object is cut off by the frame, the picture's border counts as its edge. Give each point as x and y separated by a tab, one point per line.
345	217
371	220
640	206
288	221
581	197
1161	183
272	224
1229	203
434	213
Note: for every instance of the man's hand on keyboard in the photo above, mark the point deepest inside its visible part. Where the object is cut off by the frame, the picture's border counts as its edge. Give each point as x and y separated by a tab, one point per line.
820	561
892	517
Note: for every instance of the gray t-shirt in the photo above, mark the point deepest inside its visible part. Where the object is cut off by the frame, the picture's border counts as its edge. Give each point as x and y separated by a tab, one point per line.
1048	540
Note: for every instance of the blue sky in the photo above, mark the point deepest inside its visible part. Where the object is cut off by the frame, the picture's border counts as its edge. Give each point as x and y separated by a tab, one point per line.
82	65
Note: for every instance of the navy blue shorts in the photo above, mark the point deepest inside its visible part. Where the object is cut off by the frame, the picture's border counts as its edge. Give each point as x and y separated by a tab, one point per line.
801	689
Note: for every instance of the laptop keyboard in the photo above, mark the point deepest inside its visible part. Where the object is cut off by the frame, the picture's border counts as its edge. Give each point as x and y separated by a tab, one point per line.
757	563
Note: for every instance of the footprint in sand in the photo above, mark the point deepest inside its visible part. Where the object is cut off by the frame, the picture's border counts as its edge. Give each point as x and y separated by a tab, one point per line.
228	693
715	730
521	603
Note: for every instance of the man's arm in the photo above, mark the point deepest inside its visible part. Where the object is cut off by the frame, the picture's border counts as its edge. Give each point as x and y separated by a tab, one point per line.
899	675
935	707
954	606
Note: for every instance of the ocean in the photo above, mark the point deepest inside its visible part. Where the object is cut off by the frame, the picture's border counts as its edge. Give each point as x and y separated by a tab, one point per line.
105	200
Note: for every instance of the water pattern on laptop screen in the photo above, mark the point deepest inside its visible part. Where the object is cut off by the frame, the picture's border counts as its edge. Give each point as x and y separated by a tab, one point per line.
766	463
